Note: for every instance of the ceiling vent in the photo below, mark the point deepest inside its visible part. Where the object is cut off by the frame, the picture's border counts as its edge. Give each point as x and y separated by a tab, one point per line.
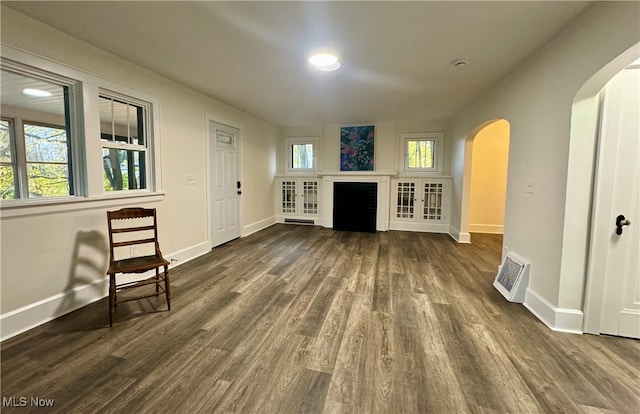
513	278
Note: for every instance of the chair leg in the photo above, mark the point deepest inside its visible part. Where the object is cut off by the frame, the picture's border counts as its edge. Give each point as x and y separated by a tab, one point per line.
157	281
112	297
167	291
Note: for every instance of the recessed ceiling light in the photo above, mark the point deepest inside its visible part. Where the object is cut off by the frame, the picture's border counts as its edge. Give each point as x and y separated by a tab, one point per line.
36	92
325	62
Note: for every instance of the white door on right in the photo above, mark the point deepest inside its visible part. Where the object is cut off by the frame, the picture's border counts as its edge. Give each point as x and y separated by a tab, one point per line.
617	244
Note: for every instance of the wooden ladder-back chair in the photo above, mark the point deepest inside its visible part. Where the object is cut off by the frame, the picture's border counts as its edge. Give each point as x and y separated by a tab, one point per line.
137	229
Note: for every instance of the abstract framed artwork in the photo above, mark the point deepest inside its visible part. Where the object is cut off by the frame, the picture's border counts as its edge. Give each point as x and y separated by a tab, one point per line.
356	148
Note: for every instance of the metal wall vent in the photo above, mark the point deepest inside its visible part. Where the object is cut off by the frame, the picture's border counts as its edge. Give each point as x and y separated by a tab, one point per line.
513	278
298	221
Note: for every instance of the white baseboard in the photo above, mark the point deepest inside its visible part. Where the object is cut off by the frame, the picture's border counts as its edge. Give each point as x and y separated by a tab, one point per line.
27	317
421	227
258	225
557	319
455	234
190	253
486	228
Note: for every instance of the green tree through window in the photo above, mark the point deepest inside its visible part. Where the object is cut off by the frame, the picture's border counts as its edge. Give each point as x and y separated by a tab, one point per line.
302	156
420	153
7	165
46	149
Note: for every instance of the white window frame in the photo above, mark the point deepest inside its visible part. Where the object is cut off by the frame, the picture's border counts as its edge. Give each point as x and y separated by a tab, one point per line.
17	125
86	143
288	151
437	137
146	106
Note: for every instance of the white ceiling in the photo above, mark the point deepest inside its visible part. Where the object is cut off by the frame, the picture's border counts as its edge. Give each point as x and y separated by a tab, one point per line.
253	55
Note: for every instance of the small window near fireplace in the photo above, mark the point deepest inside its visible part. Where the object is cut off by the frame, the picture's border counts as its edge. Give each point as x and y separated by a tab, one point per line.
301	154
422	151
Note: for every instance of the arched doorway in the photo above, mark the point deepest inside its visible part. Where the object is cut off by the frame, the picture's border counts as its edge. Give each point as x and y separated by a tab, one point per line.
485	179
489	166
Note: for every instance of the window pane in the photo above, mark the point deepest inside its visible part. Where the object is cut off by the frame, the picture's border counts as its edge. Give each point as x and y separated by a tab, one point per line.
106	119
420	153
7	183
302	156
47	180
45	143
123	169
5	142
43	105
224	139
135	125
121	121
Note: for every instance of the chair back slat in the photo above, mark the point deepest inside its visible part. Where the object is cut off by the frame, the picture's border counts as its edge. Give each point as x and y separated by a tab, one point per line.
131	213
133	242
132	229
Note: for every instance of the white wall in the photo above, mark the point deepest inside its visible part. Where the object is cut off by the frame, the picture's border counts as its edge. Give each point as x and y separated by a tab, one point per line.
536	99
45	257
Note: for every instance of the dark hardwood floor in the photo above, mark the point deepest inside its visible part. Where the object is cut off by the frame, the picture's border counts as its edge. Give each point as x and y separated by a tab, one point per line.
300	319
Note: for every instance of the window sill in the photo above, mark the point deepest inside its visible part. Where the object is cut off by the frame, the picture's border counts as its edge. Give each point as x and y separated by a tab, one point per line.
37	207
425	174
298	174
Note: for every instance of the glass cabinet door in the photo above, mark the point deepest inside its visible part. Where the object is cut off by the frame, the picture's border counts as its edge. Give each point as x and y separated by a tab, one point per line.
432	209
405	199
310	197
288	201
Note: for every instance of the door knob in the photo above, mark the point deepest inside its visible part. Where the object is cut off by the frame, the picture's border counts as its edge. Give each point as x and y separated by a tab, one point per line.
621	221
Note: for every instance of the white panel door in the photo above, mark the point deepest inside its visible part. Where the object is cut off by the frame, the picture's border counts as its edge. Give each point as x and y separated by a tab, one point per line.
225	191
619	195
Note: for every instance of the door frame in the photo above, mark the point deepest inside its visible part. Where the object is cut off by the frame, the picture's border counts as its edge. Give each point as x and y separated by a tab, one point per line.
577	264
604	213
209	208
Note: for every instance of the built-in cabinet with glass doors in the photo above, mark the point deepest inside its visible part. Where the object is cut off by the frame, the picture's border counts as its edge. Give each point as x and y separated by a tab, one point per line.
298	200
420	204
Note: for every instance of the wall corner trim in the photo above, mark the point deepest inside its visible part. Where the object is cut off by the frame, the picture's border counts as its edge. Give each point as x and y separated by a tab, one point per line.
463	238
557	319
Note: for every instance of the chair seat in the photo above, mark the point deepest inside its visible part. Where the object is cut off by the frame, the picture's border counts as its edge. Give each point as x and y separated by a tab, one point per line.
137	264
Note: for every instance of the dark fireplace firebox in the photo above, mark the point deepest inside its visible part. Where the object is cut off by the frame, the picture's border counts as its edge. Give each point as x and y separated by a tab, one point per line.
355	206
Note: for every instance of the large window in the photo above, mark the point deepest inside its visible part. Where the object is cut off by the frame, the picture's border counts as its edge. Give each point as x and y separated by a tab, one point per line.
35	145
68	136
7	161
124	149
301	154
422	152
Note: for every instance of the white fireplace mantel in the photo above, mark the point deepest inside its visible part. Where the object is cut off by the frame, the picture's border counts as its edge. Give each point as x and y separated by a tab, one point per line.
387	173
382	178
